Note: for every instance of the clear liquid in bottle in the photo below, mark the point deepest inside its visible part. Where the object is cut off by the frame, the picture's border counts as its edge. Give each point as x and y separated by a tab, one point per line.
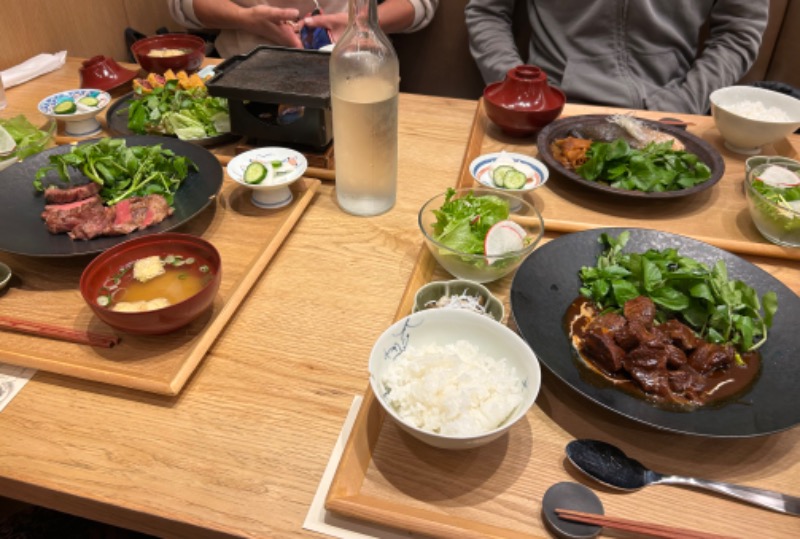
364	87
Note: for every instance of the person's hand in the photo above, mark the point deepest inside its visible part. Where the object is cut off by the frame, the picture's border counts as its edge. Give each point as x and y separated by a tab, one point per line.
335	23
279	25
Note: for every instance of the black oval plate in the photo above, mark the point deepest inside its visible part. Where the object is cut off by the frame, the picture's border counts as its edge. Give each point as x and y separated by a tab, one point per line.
23	231
547	282
561	128
117	122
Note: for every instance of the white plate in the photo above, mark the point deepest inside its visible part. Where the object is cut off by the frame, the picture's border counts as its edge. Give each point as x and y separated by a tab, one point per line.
481	169
275	194
82	122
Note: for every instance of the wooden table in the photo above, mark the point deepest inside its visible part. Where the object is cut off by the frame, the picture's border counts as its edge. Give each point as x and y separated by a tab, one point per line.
241	450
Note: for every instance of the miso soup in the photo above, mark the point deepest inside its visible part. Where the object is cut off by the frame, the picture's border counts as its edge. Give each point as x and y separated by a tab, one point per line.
181	278
167	53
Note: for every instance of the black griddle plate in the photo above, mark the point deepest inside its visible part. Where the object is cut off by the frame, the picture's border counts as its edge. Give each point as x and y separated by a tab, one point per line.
275	75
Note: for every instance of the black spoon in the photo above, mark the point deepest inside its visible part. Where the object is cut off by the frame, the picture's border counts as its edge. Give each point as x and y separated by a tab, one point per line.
607	464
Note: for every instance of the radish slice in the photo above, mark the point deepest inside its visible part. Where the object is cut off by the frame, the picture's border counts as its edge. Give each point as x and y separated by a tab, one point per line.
779	177
504	237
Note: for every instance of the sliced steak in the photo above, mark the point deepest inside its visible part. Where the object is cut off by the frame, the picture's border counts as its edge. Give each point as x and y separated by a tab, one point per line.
60	218
88	218
64	195
93	223
137	213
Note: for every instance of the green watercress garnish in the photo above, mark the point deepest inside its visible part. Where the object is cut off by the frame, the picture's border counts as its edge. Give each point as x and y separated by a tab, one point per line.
654	168
122	171
719	309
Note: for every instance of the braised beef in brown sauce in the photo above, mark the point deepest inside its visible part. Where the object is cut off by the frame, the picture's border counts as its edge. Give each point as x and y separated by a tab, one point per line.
663	362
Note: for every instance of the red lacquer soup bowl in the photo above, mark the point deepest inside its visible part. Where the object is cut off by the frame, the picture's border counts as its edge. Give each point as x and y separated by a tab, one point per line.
153	284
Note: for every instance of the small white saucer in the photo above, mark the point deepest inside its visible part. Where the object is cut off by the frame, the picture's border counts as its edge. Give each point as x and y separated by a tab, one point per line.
269	195
481	169
82	122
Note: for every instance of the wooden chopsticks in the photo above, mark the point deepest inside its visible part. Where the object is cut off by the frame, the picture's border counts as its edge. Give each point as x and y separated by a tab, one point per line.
100	340
642	528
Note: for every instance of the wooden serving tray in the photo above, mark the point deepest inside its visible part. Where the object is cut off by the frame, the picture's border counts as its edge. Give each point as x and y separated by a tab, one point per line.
718	215
46	290
387	477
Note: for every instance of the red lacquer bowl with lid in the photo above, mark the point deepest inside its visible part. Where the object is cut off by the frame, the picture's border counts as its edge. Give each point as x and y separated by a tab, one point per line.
524	102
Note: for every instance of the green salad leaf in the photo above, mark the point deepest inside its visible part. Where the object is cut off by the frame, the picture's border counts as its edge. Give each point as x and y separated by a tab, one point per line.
654	168
719	309
189	113
29	138
123	171
462	223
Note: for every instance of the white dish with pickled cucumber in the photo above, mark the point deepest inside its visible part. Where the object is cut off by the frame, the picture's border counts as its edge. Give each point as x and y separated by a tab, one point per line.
268	172
78	109
509	171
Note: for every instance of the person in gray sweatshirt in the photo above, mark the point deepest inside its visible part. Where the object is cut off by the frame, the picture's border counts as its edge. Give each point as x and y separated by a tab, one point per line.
642	54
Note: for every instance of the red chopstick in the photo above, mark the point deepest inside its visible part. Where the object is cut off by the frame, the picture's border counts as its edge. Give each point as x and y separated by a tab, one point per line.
633	526
100	340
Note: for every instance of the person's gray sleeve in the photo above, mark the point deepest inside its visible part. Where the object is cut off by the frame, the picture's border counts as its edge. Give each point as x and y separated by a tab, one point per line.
736	29
491	39
182	12
424	10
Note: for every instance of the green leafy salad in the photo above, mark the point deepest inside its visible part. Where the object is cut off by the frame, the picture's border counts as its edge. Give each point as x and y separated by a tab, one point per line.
123	171
781	205
654	168
462	223
188	113
29	139
719	309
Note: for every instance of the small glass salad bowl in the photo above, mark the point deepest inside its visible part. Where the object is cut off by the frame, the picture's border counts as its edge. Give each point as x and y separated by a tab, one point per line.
773	196
268	172
480	234
78	109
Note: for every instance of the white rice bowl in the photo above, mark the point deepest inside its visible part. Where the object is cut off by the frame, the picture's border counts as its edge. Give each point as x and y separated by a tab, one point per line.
749	117
452	378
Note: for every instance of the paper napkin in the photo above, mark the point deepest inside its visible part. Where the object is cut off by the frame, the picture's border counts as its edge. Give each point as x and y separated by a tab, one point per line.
32	68
12	379
320	520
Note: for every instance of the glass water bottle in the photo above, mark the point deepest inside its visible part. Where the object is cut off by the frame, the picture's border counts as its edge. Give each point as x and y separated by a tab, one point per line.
365	77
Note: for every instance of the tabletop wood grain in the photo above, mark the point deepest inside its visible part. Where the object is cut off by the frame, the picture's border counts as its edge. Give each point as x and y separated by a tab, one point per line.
241	450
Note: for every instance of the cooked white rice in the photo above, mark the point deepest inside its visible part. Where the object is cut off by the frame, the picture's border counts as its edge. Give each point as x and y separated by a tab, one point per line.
756	110
453	390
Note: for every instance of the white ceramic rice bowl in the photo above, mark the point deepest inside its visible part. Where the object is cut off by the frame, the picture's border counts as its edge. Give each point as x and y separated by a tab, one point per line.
442	327
746	135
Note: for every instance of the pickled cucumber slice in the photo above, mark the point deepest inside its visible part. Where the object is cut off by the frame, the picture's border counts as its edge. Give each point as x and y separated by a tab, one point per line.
255	173
89	101
499	174
65	107
514	179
